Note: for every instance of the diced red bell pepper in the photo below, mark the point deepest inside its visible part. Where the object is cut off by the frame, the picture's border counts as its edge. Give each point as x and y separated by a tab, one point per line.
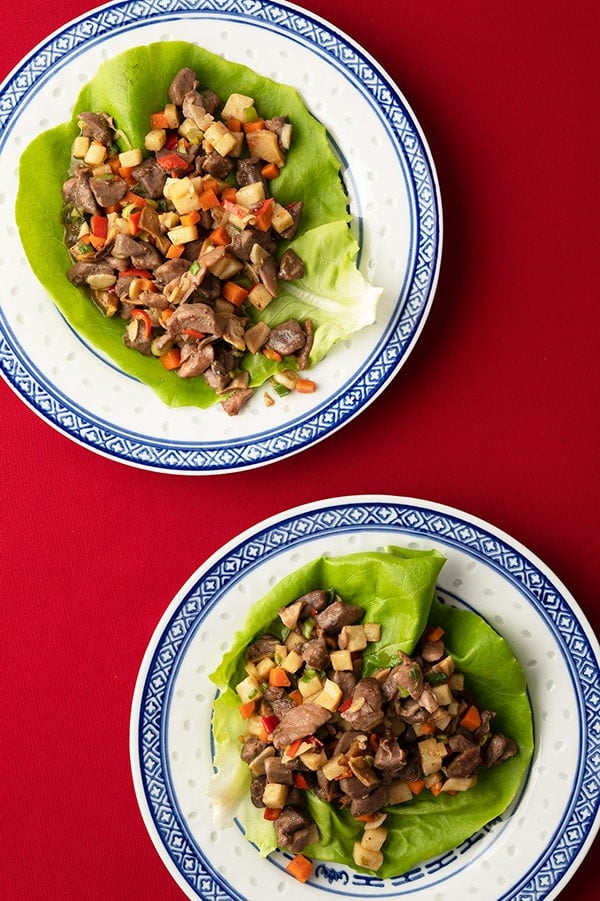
99	225
172	162
269	723
143	316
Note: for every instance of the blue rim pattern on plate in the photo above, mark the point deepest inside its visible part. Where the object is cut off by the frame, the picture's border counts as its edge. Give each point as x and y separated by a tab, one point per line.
394	515
412	304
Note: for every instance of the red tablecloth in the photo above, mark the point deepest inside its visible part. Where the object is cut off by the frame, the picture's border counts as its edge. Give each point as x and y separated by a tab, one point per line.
496	413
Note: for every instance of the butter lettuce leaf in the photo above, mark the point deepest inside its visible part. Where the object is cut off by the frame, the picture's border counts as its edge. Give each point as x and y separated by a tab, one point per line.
397	588
130	86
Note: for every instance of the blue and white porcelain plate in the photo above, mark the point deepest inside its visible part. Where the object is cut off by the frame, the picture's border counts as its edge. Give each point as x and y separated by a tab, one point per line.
527	854
394	199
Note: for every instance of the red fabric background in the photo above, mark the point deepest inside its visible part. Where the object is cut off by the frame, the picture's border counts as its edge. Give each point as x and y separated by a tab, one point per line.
496	413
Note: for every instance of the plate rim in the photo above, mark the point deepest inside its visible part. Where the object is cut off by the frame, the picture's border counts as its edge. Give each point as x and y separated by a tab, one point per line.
549	884
385	358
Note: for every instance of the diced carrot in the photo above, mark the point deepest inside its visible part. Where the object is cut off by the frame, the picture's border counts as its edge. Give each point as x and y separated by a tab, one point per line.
272	813
434	634
114	163
159	120
471	720
130	197
436	789
247	709
172	358
264	736
229	194
367	817
194	333
234	124
208	199
175	251
257	125
220	236
271	354
296	696
278	677
190	218
300	867
96	242
234	293
166	314
427	728
416	786
306	386
126	173
270	171
264	214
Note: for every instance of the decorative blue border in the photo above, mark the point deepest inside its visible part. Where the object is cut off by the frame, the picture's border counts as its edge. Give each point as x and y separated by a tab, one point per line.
297	528
409	316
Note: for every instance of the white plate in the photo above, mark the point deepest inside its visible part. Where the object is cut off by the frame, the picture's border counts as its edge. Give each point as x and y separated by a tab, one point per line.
528	853
394	198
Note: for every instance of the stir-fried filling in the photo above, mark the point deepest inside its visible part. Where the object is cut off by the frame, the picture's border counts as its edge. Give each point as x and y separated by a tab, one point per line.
315	723
182	238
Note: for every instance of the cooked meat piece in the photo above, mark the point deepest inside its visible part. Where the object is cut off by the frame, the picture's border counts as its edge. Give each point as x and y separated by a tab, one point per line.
299	722
412	770
78	193
231	329
236	400
498	749
185	80
313	602
346	681
389	757
406	678
248	171
433	651
371	803
267	273
193	108
151	177
303	355
465	763
287	338
95	126
257	787
353	787
365	710
480	734
459	743
136	339
261	648
108	191
293	827
217	376
216	165
338	614
279	700
428	700
278	771
291	266
252	748
352	741
243	242
209	289
326	789
195	359
410	710
210	101
126	247
79	272
276	123
315	653
166	272
295	211
197	316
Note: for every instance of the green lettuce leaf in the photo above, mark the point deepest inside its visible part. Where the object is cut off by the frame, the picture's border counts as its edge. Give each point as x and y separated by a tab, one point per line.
397	589
129	87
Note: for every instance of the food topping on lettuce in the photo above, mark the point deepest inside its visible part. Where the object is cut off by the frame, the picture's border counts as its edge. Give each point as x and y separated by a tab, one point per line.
133	210
366	723
181	238
315	723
